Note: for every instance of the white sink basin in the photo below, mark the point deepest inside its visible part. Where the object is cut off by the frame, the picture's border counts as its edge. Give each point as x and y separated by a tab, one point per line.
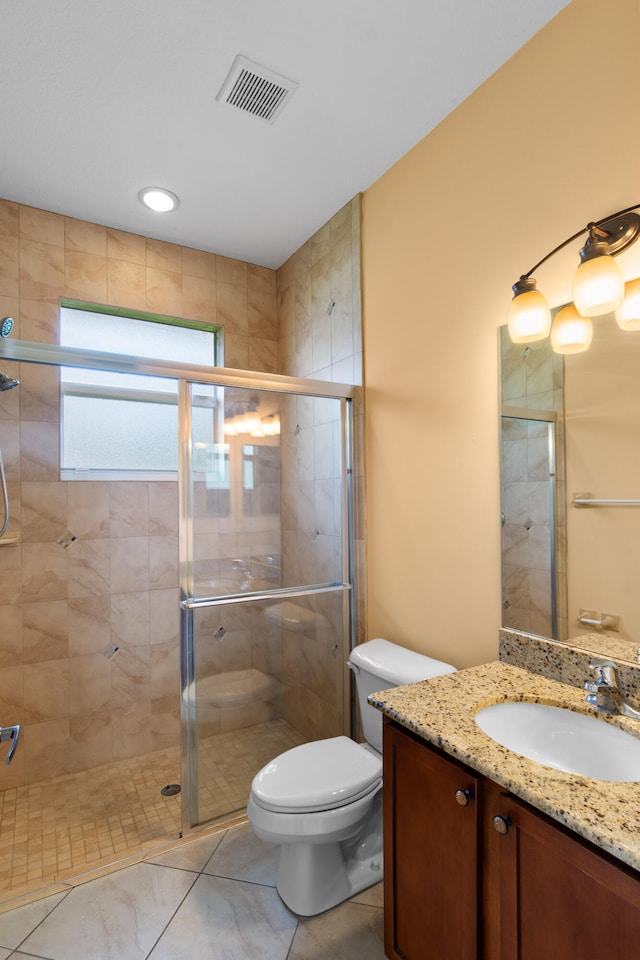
563	739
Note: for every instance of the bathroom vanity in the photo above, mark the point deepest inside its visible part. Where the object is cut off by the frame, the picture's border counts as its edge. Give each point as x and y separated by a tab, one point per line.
490	855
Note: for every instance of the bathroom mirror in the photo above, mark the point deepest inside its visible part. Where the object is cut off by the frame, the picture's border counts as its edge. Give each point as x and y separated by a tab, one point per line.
570	490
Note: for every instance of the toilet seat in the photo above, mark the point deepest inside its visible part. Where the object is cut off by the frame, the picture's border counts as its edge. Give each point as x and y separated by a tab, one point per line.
321	775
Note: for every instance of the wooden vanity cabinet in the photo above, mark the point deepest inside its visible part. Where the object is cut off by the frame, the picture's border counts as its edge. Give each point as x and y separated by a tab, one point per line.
555	895
431	852
456	887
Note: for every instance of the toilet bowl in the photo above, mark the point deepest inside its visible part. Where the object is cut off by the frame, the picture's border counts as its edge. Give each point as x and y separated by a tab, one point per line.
322	801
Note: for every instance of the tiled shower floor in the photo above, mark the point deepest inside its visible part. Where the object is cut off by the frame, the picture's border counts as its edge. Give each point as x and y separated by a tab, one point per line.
53	831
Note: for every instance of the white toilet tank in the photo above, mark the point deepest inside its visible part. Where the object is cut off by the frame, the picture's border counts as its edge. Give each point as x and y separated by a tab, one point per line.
380	665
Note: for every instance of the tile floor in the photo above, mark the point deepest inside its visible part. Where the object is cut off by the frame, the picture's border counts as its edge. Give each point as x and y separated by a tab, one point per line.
55	830
213	898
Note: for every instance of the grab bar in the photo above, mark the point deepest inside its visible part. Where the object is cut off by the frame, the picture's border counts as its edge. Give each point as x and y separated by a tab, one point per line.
586	500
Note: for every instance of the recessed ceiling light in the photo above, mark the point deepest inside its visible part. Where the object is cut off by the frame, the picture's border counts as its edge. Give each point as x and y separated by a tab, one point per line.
158	199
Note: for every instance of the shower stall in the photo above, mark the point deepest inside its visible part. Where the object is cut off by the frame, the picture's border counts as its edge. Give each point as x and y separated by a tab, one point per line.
166	635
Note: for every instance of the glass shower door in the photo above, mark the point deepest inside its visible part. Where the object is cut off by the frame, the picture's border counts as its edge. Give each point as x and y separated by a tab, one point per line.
529	548
265	584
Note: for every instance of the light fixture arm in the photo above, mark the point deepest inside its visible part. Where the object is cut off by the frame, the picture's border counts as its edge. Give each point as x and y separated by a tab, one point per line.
624	230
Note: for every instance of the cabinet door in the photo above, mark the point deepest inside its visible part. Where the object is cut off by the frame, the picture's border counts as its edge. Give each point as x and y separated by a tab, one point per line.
430	852
560	899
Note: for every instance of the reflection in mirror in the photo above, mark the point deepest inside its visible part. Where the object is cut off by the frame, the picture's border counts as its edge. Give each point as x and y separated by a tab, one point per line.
570	486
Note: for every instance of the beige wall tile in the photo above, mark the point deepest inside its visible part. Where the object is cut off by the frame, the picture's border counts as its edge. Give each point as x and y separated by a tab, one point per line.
236	351
11	633
164	256
132	731
12	693
44	571
89	568
198	263
89	509
130	618
263	355
45	631
232	272
9	266
39	320
262	318
128	509
10	575
85	276
9	218
46	748
233	311
164	616
163	292
89	625
163	562
90	740
126	246
46	691
165	723
87	237
41	270
89	685
129	564
39	393
44	511
126	284
39	451
164	670
42	226
130	678
163	508
199	299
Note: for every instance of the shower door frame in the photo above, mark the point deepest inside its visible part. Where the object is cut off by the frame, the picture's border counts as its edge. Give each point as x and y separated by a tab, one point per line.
189	605
24	351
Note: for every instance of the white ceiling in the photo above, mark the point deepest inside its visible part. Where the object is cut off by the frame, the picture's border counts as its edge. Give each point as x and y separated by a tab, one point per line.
99	98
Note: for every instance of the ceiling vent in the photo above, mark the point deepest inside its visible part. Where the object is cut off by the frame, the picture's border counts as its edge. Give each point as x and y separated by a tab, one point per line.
256	89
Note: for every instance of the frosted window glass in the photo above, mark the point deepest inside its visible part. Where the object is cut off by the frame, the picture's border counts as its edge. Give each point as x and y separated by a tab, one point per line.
101	431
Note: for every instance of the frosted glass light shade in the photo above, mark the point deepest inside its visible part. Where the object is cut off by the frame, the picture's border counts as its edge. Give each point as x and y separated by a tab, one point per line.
628	313
529	317
571	332
158	199
598	286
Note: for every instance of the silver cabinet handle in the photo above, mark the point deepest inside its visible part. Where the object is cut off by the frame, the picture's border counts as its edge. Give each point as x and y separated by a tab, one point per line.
463	797
10	735
501	824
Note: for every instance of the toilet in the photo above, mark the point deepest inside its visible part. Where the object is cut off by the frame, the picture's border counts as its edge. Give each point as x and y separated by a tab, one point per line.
322	801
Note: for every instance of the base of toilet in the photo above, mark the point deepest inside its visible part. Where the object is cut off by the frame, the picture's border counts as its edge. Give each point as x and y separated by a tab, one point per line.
315	875
312	877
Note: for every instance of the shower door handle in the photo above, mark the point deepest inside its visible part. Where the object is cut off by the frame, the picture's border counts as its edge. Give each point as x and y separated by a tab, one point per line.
11	735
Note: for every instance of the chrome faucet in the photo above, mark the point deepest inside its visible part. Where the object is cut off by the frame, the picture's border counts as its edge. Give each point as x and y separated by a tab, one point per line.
604	692
10	735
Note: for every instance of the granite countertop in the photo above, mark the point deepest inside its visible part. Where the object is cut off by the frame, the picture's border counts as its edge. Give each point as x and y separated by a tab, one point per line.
441	711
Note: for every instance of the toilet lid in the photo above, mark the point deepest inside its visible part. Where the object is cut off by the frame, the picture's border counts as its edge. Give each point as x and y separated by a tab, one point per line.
317	776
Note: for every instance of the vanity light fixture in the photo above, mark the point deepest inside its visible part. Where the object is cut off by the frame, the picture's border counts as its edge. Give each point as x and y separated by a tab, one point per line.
598	288
158	199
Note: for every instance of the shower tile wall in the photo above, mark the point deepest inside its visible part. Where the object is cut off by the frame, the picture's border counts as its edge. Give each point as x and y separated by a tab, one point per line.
531	380
61	606
320	337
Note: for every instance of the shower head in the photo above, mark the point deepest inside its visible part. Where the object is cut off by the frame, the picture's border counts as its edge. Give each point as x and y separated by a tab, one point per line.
8	383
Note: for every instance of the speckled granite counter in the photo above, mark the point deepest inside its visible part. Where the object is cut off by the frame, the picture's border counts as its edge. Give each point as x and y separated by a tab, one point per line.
442	711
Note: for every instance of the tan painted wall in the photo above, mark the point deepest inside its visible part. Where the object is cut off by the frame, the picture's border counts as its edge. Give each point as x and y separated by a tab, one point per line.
534	154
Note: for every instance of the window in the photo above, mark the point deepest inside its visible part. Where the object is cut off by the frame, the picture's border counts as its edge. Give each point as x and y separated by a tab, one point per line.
115	422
